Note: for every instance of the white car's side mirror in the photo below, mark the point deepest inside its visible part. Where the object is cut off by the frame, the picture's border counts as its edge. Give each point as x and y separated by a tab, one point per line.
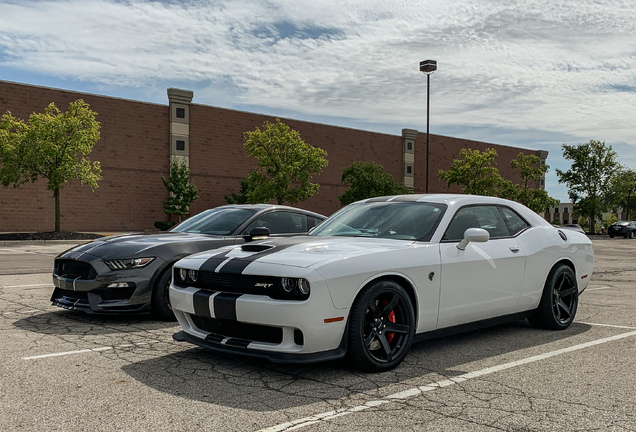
478	235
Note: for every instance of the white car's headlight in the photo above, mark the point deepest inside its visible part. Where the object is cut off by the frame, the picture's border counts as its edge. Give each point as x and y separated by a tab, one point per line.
291	285
185	276
130	263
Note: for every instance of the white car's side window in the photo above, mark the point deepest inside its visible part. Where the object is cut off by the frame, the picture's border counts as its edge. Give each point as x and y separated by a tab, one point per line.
515	222
486	217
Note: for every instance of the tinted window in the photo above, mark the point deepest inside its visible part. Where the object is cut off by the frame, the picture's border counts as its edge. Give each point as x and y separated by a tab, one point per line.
515	222
282	222
313	222
219	221
486	217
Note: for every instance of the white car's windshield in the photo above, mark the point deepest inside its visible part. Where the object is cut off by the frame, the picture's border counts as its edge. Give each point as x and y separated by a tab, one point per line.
395	220
218	221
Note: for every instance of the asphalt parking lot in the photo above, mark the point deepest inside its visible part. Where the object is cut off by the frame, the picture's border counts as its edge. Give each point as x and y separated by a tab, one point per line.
67	371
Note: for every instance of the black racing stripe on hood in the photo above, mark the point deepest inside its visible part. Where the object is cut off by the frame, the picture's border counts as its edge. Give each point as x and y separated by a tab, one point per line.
238	265
214	261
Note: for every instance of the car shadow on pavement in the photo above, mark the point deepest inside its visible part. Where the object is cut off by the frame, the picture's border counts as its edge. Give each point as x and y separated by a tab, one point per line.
78	323
261	386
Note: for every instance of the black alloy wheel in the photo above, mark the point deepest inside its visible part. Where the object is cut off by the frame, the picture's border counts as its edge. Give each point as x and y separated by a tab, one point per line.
381	328
559	301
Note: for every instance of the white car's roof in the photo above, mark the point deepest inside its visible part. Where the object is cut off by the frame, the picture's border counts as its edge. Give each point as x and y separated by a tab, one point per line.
459	199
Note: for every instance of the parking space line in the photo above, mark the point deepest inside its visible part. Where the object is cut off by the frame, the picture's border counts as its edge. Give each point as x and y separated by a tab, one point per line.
608	325
406	394
88	350
27	252
598	288
24	286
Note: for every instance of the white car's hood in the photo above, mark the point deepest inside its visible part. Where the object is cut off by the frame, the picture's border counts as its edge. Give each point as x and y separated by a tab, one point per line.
303	251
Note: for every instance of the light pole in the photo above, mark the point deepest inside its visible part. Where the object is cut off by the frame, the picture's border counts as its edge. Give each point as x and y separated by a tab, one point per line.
428	67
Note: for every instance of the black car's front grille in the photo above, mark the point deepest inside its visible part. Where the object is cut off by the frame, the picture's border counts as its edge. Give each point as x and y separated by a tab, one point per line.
238	330
116	293
73	269
69	295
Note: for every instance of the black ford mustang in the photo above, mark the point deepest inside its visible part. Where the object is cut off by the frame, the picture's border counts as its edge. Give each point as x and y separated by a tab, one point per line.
131	273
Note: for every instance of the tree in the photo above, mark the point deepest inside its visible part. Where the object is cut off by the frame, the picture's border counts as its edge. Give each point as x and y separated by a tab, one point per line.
241	198
285	162
476	171
367	180
182	191
623	191
590	177
531	170
51	145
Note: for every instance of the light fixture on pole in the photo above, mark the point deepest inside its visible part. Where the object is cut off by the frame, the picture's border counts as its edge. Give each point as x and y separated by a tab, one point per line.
428	67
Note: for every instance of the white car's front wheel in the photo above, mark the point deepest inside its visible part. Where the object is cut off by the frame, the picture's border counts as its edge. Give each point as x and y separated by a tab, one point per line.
381	327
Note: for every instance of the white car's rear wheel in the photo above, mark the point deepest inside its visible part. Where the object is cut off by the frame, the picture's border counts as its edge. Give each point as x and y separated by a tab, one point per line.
381	327
559	301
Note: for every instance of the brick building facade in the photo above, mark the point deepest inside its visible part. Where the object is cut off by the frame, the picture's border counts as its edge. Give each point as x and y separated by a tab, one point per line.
139	139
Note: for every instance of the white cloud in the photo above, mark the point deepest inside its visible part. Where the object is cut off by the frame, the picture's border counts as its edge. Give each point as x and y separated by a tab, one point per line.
564	69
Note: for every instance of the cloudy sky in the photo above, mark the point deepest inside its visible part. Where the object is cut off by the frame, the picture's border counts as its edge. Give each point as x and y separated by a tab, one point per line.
528	73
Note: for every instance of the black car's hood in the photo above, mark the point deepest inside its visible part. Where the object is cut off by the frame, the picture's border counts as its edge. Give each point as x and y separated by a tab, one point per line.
166	245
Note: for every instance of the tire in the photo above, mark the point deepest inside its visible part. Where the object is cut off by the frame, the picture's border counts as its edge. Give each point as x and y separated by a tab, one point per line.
559	300
160	307
631	234
381	327
611	236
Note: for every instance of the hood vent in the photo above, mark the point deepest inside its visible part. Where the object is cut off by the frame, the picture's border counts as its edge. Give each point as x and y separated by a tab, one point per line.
255	247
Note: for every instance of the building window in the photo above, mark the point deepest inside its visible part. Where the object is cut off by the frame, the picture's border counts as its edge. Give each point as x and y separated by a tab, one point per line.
409	169
556	209
409	145
565	210
180	145
181	113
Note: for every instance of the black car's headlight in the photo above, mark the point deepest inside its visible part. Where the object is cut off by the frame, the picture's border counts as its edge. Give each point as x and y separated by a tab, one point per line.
130	263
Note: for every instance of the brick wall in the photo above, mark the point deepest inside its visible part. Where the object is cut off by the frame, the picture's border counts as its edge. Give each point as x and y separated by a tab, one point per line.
134	154
218	160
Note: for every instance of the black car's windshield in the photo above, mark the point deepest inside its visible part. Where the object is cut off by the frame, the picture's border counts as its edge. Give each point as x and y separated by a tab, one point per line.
395	220
218	221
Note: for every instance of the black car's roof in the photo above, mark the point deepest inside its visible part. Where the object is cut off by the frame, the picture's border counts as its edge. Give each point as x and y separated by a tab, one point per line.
259	207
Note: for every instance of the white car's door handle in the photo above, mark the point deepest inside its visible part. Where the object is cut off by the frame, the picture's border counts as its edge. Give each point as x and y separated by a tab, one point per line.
515	249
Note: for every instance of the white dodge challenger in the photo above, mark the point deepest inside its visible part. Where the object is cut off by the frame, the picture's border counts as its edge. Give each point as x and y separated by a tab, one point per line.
381	274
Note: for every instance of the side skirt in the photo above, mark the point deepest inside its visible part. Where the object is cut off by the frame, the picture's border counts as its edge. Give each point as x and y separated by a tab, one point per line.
477	325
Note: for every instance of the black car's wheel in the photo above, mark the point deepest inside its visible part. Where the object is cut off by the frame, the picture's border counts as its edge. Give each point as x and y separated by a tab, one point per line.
160	307
559	301
611	236
381	327
631	234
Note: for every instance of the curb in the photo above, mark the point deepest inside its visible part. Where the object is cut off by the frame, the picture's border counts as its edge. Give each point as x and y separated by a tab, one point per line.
41	242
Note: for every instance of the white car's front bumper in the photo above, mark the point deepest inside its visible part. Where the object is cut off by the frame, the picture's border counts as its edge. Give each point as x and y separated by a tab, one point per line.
257	325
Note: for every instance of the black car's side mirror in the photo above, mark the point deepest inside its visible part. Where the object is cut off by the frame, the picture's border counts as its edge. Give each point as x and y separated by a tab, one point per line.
257	233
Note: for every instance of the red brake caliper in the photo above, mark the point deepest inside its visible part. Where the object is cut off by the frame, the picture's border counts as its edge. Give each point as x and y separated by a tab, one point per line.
391	318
